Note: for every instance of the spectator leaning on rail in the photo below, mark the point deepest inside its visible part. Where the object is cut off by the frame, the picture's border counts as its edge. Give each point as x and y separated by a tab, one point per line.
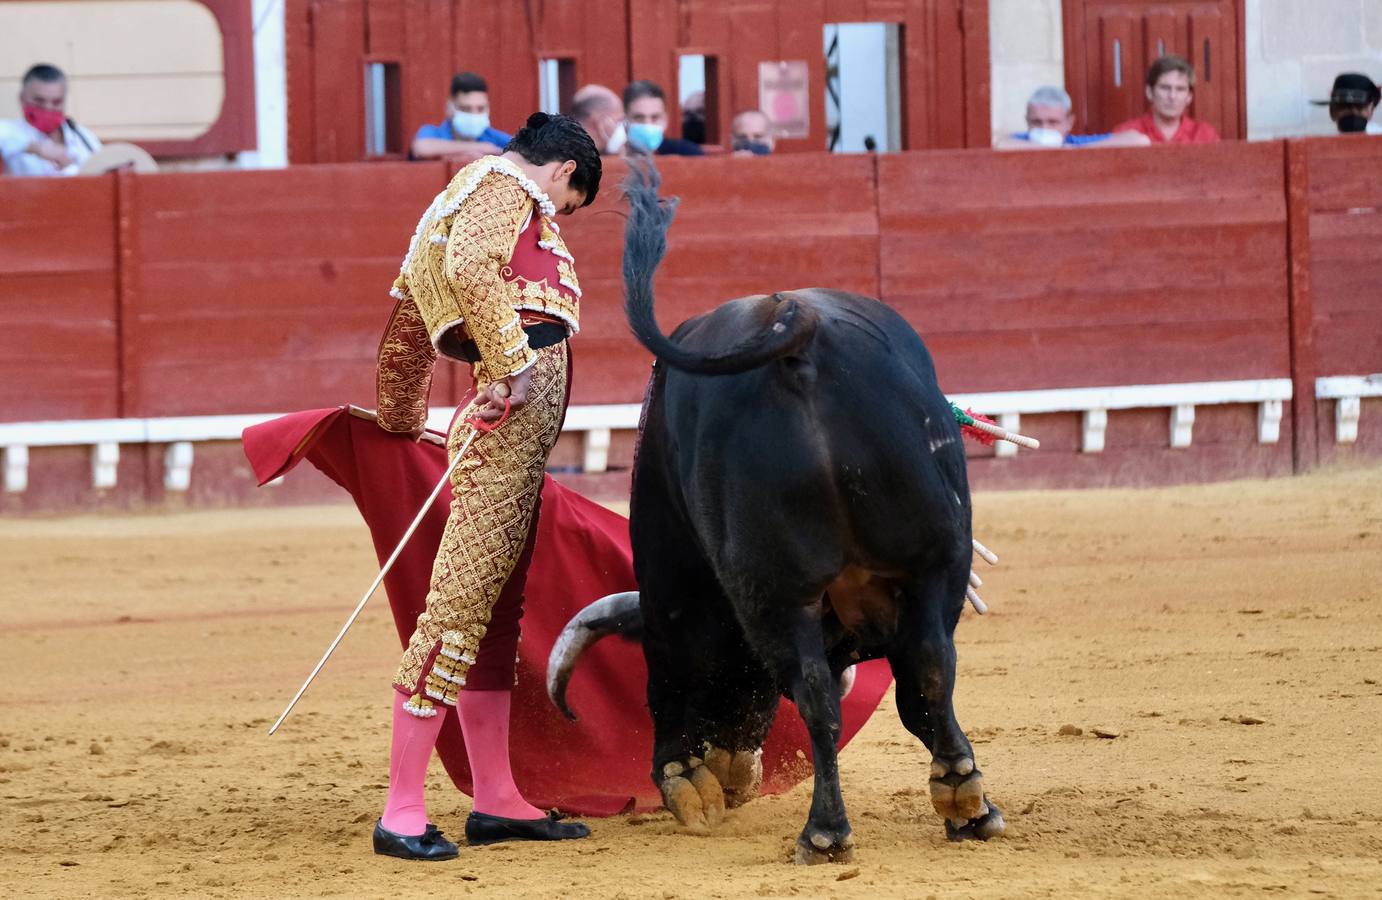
45	141
752	133
1352	102
1050	120
466	134
1170	91
645	113
601	113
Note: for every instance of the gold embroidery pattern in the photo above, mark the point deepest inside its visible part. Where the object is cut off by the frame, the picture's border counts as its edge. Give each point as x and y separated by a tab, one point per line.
494	491
453	271
458	281
404	378
566	274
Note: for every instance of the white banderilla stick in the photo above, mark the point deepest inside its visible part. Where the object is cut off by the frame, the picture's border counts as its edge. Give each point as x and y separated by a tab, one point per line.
379	579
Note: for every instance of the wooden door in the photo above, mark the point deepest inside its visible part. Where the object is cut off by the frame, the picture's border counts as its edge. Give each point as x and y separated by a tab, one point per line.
1110	43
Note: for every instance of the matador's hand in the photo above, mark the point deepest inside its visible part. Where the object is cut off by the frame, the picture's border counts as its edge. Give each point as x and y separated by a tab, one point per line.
514	388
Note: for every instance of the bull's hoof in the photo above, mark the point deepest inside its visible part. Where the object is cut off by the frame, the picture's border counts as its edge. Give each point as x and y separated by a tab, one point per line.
683	801
695	798
740	773
817	846
957	789
988	826
712	795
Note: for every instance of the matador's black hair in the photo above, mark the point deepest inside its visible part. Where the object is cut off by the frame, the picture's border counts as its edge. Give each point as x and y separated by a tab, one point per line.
547	138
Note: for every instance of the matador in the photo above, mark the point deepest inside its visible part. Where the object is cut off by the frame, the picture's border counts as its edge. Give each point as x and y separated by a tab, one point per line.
487	281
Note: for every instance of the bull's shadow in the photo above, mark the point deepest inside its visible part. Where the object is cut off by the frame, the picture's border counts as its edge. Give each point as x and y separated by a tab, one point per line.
800	503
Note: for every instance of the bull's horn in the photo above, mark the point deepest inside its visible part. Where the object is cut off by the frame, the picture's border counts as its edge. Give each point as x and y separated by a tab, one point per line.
611	614
846	682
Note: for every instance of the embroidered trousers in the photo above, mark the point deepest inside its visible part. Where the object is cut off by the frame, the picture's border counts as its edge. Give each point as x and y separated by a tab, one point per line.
495	489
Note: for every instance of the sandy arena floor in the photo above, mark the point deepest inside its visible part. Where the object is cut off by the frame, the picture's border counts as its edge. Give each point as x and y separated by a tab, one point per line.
1231	635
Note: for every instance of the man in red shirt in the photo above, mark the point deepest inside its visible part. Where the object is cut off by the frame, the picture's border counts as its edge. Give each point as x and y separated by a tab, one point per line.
1170	89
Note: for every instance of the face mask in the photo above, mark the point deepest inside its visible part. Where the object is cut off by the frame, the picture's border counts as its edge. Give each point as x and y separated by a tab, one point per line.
617	139
753	147
45	120
646	135
1352	124
1045	137
469	125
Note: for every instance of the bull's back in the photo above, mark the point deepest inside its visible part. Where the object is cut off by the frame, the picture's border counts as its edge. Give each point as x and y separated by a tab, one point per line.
842	453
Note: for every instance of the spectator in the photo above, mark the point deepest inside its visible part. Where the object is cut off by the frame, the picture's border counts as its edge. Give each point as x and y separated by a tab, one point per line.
1170	90
645	112
600	112
466	134
693	117
1351	103
1050	121
45	141
752	133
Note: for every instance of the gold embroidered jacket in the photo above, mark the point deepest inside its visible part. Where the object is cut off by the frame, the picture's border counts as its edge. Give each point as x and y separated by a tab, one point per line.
486	248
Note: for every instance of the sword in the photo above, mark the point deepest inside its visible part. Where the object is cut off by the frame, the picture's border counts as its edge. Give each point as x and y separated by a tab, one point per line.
475	429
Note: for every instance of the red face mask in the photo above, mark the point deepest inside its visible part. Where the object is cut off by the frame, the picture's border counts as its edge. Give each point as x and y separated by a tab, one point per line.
45	120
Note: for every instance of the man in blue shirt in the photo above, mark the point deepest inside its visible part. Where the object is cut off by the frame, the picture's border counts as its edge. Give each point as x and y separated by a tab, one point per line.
1051	118
466	135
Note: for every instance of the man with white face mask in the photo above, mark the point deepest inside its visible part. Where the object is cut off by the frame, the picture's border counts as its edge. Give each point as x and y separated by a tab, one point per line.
600	112
466	134
1050	121
645	117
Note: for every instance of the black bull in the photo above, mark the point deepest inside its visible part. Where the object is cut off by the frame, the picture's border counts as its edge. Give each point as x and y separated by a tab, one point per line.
800	503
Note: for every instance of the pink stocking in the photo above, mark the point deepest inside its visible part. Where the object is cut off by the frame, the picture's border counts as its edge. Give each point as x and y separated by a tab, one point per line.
405	812
485	721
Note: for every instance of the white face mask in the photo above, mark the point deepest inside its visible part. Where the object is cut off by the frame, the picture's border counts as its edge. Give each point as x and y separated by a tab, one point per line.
469	126
1046	137
617	139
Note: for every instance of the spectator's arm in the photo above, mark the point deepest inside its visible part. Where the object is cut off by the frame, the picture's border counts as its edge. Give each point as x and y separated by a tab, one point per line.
1125	139
1017	143
483	234
404	376
462	151
13	139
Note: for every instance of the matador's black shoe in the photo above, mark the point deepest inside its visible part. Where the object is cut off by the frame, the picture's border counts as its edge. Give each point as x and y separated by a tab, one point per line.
430	845
482	828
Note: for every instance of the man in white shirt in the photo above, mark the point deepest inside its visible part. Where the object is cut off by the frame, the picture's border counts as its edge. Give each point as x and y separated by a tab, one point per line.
44	141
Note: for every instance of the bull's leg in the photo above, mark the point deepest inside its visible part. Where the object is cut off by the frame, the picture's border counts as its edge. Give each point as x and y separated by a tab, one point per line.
736	716
689	789
789	640
923	664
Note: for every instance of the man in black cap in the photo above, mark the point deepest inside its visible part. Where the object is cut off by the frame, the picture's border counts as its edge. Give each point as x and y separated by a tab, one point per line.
1351	102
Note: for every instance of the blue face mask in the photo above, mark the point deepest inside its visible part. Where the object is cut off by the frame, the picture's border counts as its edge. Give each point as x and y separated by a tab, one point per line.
469	126
646	135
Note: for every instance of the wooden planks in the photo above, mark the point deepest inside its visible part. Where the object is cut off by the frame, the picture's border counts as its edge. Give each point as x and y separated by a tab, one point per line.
263	291
1345	228
58	297
1109	267
745	226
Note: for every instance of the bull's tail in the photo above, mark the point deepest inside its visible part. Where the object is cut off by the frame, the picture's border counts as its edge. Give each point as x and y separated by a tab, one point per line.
645	243
615	614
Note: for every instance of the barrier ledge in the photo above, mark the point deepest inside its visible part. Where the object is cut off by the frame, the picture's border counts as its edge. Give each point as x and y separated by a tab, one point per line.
597	422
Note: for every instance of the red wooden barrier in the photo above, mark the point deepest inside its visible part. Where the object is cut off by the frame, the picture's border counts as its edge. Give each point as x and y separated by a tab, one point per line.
238	292
1344	199
745	226
1108	268
58	347
263	291
1345	195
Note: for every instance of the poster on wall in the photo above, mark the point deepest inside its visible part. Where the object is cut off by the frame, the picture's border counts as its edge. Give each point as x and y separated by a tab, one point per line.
782	95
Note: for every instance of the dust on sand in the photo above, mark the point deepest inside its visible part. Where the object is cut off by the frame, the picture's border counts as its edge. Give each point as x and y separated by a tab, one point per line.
145	657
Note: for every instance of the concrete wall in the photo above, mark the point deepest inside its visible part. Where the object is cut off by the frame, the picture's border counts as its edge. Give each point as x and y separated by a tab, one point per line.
1294	50
1027	50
